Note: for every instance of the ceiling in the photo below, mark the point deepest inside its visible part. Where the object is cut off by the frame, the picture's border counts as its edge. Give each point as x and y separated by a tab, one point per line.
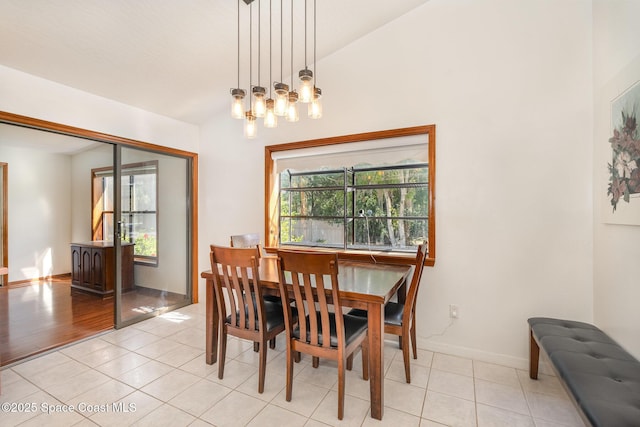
27	138
176	58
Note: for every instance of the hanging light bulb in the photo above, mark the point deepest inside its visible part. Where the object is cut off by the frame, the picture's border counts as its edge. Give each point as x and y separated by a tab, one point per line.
315	106
259	106
292	109
306	75
237	104
282	98
270	118
306	85
250	125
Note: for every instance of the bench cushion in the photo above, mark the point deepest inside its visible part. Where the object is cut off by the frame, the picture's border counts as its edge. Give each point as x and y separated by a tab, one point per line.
603	378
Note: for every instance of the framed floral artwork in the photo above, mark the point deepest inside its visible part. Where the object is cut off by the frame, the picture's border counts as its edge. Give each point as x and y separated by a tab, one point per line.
618	146
624	169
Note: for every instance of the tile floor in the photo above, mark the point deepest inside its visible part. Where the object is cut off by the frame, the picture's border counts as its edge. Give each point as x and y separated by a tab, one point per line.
154	374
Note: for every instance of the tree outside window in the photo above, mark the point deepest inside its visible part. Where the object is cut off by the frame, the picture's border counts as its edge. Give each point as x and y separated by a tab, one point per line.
361	207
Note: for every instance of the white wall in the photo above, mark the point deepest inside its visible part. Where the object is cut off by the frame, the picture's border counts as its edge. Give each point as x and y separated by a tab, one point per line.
508	85
81	203
40	212
617	247
28	95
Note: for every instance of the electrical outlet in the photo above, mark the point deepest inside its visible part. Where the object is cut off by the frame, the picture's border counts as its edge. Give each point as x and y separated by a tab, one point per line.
453	311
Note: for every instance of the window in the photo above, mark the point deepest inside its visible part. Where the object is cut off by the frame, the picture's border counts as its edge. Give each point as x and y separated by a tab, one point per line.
382	208
139	203
356	194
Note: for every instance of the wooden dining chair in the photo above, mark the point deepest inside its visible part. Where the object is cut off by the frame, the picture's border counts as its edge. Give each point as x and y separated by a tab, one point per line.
248	240
252	240
400	318
312	280
250	317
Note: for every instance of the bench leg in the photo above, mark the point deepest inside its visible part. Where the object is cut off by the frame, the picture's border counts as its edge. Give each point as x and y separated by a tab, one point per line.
534	356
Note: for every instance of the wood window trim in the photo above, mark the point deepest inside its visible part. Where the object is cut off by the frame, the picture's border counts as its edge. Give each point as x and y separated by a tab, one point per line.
30	122
271	191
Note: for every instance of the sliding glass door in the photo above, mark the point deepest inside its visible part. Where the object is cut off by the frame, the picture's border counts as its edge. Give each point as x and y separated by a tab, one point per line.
151	223
3	222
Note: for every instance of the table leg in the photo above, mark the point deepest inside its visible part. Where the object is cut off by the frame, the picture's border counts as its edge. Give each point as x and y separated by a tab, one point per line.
376	359
211	351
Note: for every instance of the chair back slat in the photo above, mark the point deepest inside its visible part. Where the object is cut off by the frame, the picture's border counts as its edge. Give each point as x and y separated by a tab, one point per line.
309	276
238	268
324	314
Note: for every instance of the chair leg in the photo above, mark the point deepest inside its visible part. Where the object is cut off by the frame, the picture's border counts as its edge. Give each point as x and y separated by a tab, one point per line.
316	361
350	361
414	345
405	357
296	357
222	351
399	341
341	375
534	356
262	367
365	359
290	357
256	346
272	343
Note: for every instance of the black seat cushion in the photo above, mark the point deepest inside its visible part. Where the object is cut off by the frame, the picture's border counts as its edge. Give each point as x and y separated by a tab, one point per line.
353	326
393	312
603	378
274	315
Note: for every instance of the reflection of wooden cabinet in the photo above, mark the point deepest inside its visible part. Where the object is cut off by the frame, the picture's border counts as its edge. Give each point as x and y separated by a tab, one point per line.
92	267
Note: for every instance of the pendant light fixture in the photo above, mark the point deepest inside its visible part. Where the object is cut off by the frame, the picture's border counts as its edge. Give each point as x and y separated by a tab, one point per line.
270	118
237	104
282	99
259	92
281	89
306	75
315	106
250	125
292	109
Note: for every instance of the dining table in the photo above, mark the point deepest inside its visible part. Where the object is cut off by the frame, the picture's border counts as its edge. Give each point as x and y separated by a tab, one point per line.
367	286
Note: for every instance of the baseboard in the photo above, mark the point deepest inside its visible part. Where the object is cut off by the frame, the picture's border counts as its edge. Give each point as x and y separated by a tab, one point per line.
62	276
484	356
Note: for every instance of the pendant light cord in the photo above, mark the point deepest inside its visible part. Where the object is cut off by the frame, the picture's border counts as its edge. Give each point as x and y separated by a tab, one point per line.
270	49
250	55
281	43
291	45
259	37
315	69
305	34
238	44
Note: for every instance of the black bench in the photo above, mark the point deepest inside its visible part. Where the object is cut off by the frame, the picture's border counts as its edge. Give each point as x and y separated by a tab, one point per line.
600	376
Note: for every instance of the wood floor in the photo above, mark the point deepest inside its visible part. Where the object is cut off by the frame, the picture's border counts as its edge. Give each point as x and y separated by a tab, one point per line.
41	315
38	316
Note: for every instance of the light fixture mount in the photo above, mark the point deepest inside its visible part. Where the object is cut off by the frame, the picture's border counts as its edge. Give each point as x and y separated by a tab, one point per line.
305	74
